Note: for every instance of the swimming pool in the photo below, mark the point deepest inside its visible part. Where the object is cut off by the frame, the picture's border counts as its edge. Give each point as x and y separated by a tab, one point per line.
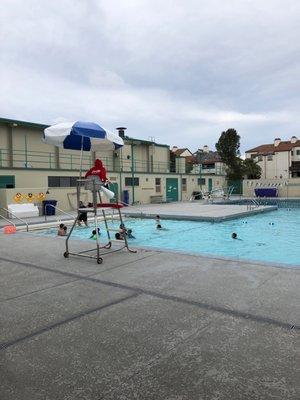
271	237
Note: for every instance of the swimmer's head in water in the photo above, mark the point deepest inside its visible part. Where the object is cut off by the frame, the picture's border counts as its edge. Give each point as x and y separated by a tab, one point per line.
129	231
158	226
234	235
61	226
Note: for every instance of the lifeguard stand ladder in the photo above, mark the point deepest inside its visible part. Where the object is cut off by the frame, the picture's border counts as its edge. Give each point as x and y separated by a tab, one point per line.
95	187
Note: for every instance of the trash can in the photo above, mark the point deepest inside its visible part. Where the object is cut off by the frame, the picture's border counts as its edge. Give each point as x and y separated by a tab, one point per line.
125	197
49	210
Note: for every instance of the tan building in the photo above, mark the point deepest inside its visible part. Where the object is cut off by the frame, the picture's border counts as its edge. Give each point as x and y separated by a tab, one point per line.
30	169
279	160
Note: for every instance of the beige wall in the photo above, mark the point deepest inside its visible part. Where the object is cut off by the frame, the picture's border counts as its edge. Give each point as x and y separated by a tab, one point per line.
143	154
147	186
286	187
4	144
34	181
3	137
192	184
34	178
66	197
278	166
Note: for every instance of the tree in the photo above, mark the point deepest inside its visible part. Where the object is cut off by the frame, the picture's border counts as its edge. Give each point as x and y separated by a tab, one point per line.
251	169
228	148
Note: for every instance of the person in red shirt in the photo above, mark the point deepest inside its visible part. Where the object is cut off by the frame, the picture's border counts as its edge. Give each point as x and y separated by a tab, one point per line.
98	170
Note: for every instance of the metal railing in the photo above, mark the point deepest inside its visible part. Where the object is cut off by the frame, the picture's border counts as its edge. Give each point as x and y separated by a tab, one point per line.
253	204
56	208
15	216
8	220
48	160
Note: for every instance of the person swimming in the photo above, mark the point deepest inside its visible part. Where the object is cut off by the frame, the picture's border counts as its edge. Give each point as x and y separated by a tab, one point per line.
94	236
62	230
129	234
119	236
235	236
122	231
157	221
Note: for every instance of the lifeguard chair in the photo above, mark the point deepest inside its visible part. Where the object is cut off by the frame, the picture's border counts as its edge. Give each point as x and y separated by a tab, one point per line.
96	187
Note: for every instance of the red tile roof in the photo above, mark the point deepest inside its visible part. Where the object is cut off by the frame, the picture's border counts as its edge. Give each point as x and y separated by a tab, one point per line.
191	159
178	152
270	148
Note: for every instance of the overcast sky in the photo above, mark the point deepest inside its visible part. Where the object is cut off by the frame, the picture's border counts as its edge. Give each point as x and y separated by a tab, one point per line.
179	71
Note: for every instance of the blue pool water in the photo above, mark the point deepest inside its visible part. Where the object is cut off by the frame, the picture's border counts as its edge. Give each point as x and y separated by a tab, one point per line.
272	237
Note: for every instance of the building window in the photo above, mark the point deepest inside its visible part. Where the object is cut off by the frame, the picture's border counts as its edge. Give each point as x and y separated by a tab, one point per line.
7	182
270	157
184	184
157	185
62	181
128	182
259	158
292	153
201	181
208	166
298	152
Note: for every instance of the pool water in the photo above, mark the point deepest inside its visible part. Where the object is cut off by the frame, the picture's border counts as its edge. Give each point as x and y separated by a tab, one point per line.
271	237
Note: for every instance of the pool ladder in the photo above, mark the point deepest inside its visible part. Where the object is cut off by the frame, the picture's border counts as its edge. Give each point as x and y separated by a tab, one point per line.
253	204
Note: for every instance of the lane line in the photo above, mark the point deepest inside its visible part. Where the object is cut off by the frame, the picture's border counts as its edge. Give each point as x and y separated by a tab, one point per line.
5	345
206	306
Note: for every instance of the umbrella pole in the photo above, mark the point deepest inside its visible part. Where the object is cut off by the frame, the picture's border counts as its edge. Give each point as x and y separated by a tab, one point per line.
80	177
81	156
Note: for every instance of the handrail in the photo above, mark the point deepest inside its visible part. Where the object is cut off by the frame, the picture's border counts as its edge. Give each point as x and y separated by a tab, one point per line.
57	208
127	204
14	215
254	202
7	220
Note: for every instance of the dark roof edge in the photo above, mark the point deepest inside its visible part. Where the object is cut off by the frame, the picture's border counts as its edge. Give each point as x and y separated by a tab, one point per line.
130	139
23	123
43	126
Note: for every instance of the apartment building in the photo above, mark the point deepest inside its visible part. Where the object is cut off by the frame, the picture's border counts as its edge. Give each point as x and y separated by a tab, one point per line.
278	160
30	168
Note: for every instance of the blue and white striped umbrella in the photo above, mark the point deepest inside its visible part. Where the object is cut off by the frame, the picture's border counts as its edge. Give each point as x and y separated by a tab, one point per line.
81	135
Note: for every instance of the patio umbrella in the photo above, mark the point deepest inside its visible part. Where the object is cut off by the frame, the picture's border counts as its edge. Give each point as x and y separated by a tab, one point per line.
82	136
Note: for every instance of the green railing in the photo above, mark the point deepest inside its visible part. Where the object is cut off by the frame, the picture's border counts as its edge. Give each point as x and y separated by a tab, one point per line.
49	160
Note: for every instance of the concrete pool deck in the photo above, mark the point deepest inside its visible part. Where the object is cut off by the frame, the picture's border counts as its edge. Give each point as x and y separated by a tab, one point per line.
150	325
195	211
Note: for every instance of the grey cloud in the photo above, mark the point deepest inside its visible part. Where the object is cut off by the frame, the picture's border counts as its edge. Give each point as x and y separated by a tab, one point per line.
179	71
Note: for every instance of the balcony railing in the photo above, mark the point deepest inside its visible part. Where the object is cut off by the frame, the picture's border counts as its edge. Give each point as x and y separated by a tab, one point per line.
47	160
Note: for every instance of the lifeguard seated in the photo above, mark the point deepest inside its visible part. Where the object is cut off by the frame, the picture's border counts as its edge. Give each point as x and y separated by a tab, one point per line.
98	170
97	174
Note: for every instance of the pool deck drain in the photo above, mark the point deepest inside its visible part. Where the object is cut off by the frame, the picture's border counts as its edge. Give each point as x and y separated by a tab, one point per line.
194	211
150	325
